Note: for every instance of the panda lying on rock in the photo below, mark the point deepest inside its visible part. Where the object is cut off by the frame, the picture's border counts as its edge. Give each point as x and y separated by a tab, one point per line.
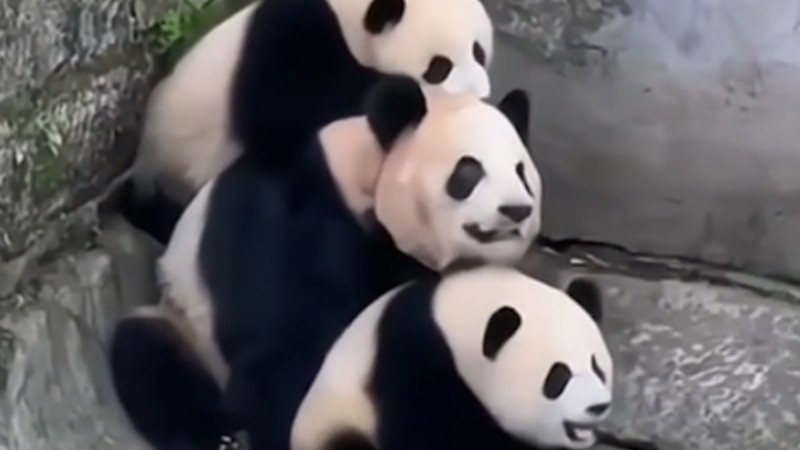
480	359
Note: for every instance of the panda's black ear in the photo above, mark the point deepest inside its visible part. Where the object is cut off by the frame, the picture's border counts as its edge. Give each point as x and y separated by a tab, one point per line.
516	107
500	328
587	294
382	14
394	105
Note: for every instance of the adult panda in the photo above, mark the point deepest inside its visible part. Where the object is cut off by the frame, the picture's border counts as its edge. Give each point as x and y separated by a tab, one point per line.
277	71
485	358
263	265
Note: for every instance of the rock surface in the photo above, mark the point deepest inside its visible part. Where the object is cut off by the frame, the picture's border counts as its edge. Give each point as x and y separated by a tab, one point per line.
58	393
72	83
666	127
699	365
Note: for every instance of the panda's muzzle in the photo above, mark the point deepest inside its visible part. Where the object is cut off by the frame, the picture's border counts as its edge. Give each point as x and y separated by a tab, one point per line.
577	431
489	236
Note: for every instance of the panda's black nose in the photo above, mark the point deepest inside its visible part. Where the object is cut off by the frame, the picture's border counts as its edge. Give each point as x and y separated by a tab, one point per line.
517	213
598	409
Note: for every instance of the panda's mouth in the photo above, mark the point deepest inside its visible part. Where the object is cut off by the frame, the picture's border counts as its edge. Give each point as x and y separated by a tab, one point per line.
490	236
579	431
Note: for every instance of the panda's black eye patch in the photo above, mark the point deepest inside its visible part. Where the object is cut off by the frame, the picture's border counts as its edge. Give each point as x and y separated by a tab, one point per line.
520	169
502	325
597	370
467	173
556	381
438	69
478	53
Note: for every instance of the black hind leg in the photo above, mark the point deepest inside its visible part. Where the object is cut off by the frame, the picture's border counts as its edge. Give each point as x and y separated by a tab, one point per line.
154	213
170	398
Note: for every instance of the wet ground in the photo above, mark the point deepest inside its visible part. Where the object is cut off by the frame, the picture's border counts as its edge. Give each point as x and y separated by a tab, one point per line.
706	359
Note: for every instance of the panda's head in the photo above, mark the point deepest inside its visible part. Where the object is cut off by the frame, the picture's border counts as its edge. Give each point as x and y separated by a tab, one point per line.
531	354
458	183
445	44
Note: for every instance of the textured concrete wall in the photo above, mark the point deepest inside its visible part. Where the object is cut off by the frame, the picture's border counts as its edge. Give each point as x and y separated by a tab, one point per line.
72	80
664	126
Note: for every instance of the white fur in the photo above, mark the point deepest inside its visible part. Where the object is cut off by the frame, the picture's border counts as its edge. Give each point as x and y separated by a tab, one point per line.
186	142
185	293
338	400
554	328
442	27
486	134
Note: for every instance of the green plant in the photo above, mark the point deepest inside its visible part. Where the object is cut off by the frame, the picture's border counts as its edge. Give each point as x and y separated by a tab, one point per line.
176	25
186	23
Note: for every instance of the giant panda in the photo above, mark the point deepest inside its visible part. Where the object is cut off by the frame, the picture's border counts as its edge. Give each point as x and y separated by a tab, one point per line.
479	359
261	265
278	70
482	358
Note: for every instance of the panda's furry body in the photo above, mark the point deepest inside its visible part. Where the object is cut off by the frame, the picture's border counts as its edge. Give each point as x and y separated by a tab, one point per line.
479	359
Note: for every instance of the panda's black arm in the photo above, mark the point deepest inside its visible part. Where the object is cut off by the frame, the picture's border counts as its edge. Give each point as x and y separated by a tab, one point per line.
239	257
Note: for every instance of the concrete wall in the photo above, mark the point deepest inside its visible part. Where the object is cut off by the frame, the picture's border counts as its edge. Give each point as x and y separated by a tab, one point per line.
664	126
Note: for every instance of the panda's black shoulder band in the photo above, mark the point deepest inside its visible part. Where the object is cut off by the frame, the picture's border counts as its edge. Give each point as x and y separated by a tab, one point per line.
392	106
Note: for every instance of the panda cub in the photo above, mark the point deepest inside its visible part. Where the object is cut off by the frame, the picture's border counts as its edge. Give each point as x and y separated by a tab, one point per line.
481	359
264	273
278	70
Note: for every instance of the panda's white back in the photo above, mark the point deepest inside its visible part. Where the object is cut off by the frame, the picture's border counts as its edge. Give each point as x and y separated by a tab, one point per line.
185	138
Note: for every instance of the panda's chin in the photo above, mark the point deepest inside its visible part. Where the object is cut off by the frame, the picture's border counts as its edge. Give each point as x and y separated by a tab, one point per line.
580	432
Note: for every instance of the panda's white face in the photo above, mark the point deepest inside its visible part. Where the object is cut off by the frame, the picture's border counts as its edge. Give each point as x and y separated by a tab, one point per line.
539	364
573	402
549	387
486	203
462	187
444	44
550	383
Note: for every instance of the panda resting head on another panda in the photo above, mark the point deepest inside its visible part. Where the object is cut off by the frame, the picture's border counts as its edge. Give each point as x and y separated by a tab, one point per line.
484	358
289	67
463	184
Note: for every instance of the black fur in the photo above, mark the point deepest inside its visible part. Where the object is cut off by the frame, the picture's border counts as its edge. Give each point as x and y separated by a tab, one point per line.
516	106
350	441
288	268
155	214
587	294
424	404
395	105
171	399
295	75
501	327
382	14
